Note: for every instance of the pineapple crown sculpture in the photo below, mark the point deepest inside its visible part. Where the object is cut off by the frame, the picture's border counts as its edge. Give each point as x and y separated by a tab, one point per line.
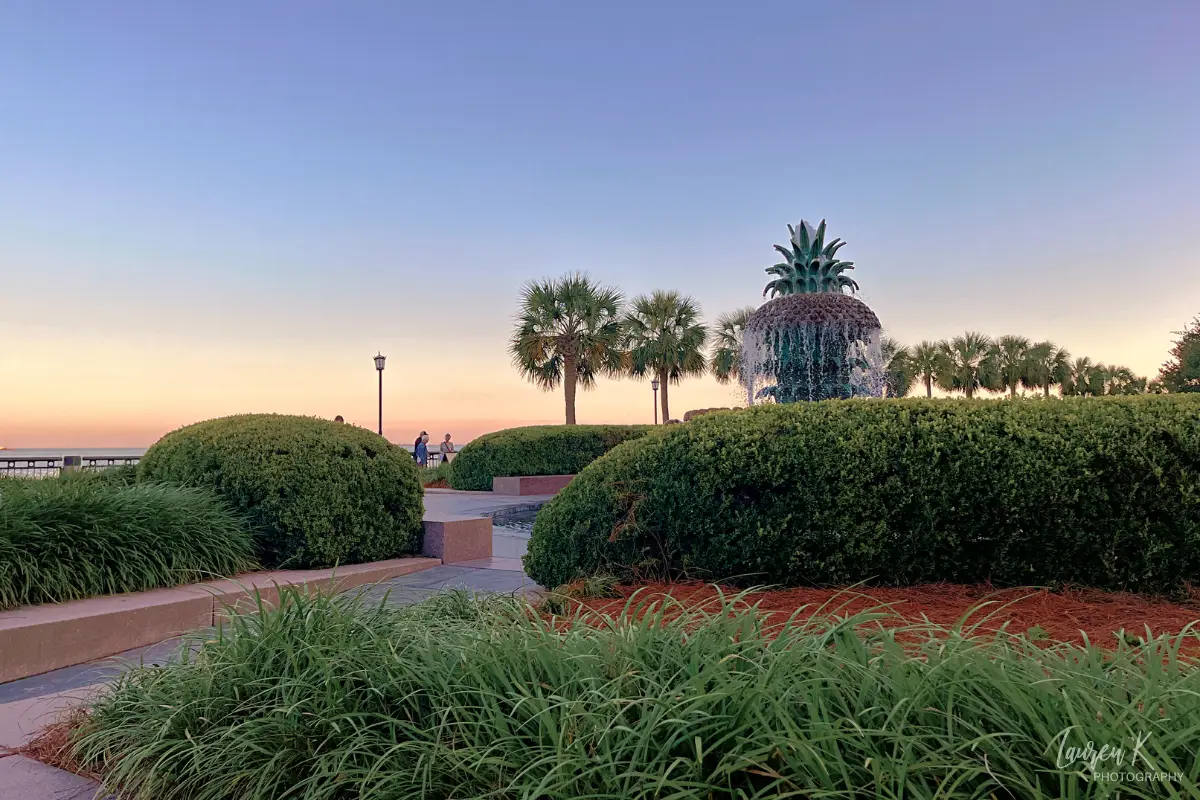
811	266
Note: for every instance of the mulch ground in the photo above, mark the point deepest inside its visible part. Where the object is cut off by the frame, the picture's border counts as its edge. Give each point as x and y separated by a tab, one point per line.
1066	615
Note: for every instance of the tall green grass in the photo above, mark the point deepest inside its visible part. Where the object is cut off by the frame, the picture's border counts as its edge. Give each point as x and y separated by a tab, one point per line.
84	535
454	698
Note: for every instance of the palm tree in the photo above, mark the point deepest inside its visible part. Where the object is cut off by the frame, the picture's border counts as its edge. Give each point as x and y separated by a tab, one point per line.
966	367
1009	358
898	361
665	339
725	360
1123	380
568	331
1048	365
1082	377
926	361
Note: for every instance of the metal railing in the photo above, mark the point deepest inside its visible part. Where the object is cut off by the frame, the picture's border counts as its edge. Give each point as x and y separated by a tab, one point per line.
40	467
434	460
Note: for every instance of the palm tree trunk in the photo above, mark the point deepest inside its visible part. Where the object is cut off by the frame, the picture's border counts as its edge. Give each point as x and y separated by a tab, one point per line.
570	377
662	384
1012	391
1047	388
970	392
928	385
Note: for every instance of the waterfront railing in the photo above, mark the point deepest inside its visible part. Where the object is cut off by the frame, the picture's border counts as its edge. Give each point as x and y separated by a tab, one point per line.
43	466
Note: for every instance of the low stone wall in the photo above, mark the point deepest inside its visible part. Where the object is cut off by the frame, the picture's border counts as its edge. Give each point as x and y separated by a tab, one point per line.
523	485
41	638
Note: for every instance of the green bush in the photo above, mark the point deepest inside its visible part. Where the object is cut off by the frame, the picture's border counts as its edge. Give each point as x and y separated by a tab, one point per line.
318	493
459	699
1101	492
439	473
123	475
78	536
536	450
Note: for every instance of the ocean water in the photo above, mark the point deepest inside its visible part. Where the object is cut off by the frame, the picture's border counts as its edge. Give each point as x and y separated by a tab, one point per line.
85	452
126	452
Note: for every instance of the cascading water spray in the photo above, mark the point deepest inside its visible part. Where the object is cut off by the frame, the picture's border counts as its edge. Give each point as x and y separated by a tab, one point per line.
811	341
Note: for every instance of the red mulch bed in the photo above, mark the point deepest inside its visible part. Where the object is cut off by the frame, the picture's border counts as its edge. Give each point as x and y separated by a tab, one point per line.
440	483
1064	615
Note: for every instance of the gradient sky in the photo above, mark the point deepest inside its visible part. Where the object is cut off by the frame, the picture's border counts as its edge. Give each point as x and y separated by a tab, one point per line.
228	206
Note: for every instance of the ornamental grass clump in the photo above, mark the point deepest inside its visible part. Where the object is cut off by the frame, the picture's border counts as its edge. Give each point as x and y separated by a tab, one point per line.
459	698
79	536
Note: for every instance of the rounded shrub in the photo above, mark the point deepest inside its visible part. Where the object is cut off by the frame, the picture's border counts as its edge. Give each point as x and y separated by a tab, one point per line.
536	450
1101	492
318	493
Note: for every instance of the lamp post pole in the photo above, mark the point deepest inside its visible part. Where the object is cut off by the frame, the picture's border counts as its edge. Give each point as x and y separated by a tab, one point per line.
654	386
379	359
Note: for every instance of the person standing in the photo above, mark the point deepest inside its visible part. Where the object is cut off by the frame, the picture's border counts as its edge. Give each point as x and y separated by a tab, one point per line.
447	448
421	450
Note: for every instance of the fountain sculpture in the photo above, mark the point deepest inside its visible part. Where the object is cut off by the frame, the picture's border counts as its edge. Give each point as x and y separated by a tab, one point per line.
811	341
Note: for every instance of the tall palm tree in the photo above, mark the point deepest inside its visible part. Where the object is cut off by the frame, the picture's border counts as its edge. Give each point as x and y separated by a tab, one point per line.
1123	380
1010	359
568	331
1049	364
898	367
926	361
665	339
1082	378
726	356
966	367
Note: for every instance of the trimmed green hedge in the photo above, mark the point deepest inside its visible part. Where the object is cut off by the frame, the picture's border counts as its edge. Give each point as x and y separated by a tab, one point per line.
318	493
81	535
536	450
1101	492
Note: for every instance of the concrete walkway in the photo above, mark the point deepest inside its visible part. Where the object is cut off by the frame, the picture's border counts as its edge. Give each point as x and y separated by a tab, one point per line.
441	502
28	704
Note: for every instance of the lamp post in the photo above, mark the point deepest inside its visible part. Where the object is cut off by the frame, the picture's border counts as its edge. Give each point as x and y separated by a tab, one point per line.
379	359
654	386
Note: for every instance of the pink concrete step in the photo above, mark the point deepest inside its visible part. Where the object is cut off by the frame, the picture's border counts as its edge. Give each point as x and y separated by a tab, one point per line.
522	485
41	638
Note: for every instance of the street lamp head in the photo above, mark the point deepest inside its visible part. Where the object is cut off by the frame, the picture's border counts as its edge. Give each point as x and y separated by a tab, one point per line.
654	384
379	362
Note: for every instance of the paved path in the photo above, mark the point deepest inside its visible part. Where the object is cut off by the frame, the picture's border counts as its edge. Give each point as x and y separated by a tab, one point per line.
480	504
29	703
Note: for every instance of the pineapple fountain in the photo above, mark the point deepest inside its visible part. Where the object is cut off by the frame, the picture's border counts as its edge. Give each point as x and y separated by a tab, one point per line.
812	340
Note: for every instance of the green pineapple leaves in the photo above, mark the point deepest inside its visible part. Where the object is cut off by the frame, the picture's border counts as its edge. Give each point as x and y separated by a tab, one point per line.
810	265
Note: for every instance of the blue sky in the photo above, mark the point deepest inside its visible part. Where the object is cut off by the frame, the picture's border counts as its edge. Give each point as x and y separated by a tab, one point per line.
223	206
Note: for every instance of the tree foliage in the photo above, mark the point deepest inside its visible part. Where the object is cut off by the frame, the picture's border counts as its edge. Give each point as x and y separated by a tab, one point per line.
666	340
1181	372
568	331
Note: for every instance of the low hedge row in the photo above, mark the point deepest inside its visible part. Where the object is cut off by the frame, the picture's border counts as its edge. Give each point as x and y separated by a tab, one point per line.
1101	492
84	535
317	493
536	450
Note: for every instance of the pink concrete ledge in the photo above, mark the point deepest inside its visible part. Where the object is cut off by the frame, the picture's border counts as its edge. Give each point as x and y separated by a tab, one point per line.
521	485
453	538
37	639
